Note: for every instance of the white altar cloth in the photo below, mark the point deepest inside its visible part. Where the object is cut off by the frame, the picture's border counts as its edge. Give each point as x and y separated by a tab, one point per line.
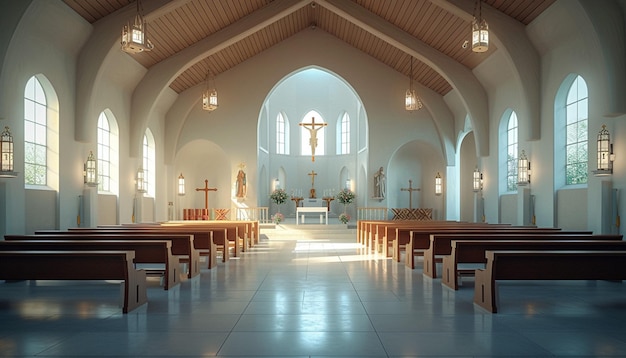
312	209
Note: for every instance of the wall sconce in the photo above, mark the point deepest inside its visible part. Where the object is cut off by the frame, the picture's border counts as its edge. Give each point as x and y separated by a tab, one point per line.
6	154
276	184
438	184
140	181
181	185
523	170
89	171
348	184
605	153
477	180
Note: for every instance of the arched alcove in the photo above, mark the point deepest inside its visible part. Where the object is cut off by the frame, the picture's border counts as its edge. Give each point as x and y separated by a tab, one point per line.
286	109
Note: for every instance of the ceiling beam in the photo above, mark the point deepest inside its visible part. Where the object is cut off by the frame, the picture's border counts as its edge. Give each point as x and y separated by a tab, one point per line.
156	81
470	90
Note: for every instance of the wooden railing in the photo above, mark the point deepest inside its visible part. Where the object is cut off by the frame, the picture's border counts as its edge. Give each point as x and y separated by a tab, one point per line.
374	213
260	214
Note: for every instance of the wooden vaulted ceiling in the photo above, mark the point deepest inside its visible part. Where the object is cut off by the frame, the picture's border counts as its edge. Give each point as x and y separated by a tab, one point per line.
195	20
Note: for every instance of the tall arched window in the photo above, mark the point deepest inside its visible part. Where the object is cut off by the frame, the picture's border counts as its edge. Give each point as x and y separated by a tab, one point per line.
35	134
576	133
343	128
312	137
511	153
108	149
282	135
149	163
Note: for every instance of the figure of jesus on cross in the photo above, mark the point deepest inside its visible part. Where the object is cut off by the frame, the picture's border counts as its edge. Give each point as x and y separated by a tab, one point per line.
313	128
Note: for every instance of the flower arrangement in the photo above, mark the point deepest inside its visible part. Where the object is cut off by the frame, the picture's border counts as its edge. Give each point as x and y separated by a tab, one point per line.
277	218
344	218
345	196
279	196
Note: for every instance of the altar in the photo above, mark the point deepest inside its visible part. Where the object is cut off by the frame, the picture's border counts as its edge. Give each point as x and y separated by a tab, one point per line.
303	210
312	202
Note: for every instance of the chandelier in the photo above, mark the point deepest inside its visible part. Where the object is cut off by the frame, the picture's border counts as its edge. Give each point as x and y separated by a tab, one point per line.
411	101
480	30
135	34
209	95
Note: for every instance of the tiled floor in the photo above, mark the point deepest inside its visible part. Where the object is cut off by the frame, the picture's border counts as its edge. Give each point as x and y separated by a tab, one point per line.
296	295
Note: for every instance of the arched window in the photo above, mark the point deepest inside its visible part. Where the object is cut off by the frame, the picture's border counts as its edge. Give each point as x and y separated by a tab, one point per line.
511	153
576	133
343	128
312	138
108	149
35	134
149	163
282	135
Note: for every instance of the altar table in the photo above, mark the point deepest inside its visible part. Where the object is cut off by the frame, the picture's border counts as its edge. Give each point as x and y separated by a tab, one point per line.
312	209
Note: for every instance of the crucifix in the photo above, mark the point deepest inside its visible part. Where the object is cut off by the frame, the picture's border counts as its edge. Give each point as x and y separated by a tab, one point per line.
410	189
312	192
206	190
313	128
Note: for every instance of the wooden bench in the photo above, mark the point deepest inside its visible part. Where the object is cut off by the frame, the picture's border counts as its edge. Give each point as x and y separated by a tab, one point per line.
147	252
544	265
441	243
472	252
183	244
78	265
419	241
238	232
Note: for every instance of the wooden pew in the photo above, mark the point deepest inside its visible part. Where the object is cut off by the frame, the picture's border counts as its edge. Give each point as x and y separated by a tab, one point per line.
146	251
183	244
419	240
544	265
441	243
208	241
78	265
380	230
237	232
397	237
473	252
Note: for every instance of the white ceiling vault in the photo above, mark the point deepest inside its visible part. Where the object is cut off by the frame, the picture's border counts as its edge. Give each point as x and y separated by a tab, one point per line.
380	28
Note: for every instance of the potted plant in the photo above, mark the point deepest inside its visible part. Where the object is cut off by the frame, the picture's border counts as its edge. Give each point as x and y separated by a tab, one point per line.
345	197
344	218
279	196
277	218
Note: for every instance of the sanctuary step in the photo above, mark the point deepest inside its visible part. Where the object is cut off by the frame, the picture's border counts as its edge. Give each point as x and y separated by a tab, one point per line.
310	231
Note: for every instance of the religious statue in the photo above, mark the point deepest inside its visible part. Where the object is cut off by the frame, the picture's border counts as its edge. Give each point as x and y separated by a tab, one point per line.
241	183
313	128
379	184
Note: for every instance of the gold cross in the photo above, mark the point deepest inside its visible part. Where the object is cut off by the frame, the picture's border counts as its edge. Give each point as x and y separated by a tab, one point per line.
312	174
206	190
410	189
313	128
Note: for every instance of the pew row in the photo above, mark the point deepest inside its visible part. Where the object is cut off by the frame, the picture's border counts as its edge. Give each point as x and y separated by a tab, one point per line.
420	241
472	252
441	243
147	252
206	242
183	245
78	265
544	265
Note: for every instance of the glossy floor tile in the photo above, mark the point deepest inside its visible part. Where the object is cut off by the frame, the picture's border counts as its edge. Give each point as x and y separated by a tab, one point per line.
299	294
